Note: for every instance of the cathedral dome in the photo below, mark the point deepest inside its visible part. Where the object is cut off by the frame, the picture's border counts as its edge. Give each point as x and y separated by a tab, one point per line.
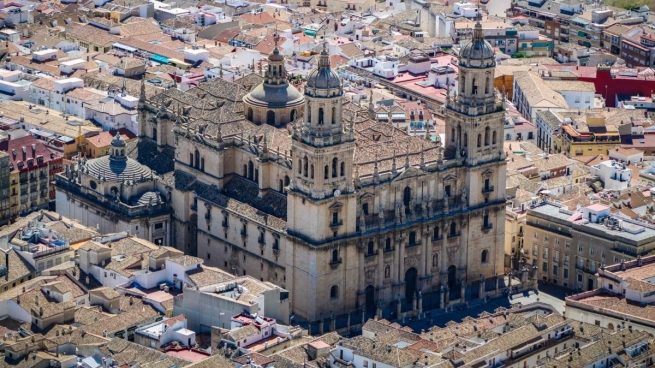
116	166
477	52
322	77
271	95
117	170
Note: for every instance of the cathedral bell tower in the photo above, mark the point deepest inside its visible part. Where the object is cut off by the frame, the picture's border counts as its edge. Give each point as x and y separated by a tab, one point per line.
321	200
474	122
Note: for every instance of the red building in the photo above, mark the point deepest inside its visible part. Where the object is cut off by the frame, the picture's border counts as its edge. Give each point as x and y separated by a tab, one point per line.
33	166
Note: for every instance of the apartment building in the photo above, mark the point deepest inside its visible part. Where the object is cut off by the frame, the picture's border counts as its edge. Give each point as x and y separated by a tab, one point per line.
569	247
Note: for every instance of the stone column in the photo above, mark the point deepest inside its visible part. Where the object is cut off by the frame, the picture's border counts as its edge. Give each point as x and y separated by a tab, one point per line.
420	303
398	308
482	287
462	296
442	297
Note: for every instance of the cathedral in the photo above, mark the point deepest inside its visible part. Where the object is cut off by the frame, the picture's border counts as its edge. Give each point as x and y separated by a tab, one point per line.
307	191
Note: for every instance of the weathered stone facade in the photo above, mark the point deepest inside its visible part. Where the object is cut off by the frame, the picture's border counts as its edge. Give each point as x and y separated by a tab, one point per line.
345	212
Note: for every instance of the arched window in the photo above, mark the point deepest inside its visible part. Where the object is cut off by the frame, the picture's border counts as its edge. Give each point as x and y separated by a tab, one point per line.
299	166
326	172
334	292
343	168
387	271
466	140
335	256
387	244
475	87
270	117
197	159
487	85
486	136
435	233
305	166
479	140
493	137
435	260
311	171
453	229
190	158
452	135
370	248
281	186
249	116
334	167
407	196
202	164
320	116
309	113
292	117
286	180
245	171
462	83
484	257
251	170
334	115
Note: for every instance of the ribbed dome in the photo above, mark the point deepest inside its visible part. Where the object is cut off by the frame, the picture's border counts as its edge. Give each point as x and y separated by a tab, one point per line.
274	95
323	77
116	169
478	52
149	198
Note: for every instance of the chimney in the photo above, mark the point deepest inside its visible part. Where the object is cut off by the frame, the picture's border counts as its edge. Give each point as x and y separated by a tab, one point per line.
33	149
24	153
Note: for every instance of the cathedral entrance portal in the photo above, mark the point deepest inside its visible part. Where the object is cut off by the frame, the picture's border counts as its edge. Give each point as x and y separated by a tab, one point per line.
410	285
453	285
370	299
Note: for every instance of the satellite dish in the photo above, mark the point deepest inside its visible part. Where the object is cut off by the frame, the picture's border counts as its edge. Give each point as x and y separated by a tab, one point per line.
337	193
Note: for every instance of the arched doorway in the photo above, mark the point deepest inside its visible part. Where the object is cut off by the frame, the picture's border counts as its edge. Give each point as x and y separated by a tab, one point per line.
270	118
410	284
249	115
453	285
370	299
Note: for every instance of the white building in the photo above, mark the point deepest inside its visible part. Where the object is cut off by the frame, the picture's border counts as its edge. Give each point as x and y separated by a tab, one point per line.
44	55
466	9
627	155
162	333
614	175
386	66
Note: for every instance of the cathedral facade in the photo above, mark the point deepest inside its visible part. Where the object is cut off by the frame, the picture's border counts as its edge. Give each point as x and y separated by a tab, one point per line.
346	213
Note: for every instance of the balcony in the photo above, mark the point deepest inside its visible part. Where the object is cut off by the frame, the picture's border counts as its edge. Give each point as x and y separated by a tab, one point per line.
335	262
487	189
335	224
244	233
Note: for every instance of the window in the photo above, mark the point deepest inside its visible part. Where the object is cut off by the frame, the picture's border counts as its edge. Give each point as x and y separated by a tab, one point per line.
335	256
435	260
334	292
343	169
305	166
334	167
486	136
335	218
412	238
387	244
370	249
493	137
320	116
334	115
435	233
326	172
447	190
407	196
159	226
387	271
311	171
479	140
484	257
453	229
365	209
